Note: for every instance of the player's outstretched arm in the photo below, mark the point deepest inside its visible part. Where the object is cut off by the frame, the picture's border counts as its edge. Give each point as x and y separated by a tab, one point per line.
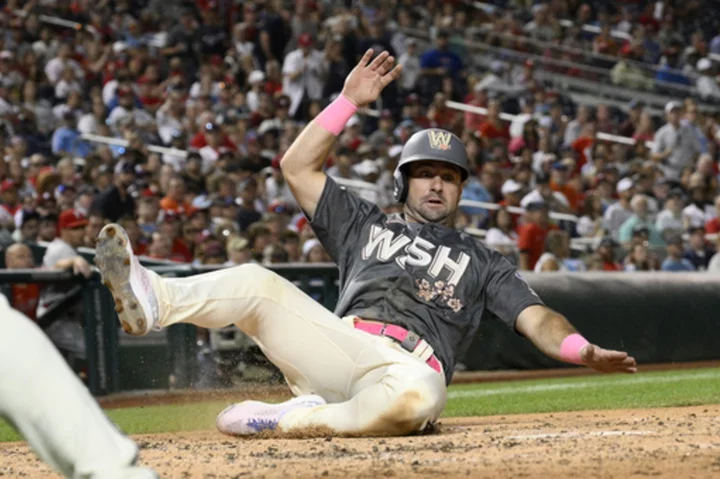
302	164
556	337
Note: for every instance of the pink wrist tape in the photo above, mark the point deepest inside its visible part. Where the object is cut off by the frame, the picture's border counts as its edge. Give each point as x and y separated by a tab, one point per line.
570	348
336	115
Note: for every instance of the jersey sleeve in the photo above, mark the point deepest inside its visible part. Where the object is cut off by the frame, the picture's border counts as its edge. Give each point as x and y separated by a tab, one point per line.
339	218
507	294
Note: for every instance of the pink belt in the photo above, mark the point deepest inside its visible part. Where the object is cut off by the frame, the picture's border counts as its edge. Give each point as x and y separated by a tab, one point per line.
408	340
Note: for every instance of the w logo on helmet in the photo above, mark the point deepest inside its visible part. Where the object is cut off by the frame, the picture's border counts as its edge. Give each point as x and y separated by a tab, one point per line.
439	140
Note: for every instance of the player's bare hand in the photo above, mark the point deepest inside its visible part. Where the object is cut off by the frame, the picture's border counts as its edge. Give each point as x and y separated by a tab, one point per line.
607	360
368	79
80	266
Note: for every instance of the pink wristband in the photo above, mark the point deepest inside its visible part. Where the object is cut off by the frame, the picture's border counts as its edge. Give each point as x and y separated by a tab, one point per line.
570	348
336	115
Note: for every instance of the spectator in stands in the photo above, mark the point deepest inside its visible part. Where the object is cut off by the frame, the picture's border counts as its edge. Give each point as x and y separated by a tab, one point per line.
94	225
575	126
138	241
674	260
707	85
115	202
440	61
698	251
532	234
639	218
290	241
411	69
502	235
66	332
714	265
174	201
639	259
313	252
557	254
629	126
238	251
606	255
260	238
590	224
23	296
47	230
303	71
494	128
669	221
30	227
676	145
560	183
620	211
555	200
698	211
713	224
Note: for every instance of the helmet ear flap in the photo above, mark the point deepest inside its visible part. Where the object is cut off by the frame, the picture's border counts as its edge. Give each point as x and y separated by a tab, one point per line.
400	185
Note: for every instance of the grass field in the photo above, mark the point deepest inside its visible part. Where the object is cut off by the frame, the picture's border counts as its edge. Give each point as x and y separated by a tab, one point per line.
643	390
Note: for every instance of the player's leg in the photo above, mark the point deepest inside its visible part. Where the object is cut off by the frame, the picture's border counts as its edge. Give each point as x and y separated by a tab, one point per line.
53	410
316	351
398	396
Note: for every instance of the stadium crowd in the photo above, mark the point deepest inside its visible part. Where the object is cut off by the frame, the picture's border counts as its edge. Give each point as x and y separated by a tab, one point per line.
233	82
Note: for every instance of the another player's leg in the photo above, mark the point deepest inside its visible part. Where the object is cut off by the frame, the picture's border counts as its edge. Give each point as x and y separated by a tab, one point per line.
53	410
316	351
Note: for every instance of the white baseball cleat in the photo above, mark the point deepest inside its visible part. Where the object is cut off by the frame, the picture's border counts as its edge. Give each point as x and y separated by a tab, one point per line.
135	301
251	417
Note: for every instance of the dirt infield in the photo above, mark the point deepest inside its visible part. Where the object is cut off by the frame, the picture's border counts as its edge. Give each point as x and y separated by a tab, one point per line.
669	442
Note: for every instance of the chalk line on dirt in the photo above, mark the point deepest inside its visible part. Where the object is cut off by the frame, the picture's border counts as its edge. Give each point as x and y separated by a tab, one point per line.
580	434
581	385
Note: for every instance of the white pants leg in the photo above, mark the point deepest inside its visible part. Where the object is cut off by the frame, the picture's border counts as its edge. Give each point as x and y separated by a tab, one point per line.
373	385
53	410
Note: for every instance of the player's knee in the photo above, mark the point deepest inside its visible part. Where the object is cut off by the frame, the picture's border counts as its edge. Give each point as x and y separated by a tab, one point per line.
256	274
412	410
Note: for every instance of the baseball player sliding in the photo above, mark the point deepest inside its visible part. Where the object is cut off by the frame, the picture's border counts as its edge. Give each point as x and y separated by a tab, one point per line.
52	409
413	290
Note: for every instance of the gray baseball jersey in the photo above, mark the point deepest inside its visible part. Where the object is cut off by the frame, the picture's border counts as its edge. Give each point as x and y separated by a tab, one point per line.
428	278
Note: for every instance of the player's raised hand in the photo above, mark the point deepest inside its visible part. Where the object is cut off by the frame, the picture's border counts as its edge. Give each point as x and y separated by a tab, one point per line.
365	82
607	360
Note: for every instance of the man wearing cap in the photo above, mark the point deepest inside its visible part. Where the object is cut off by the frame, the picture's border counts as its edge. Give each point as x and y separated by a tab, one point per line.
699	251
532	234
115	202
674	260
606	252
555	200
66	139
640	217
303	74
676	145
669	221
707	85
66	332
512	194
410	62
619	212
440	61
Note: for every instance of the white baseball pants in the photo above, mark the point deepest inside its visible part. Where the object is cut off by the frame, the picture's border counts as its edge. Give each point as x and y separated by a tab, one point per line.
52	409
371	384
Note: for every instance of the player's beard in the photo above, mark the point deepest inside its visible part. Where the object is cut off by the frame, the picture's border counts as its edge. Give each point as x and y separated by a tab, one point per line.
418	211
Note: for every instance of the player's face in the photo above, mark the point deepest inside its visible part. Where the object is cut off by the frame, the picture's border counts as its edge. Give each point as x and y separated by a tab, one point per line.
434	192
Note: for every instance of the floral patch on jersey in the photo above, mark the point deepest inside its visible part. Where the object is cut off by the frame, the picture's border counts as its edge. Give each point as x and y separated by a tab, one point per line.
445	293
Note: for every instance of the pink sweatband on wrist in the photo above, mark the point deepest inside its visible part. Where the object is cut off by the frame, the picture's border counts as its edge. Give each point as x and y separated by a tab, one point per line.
336	115
570	348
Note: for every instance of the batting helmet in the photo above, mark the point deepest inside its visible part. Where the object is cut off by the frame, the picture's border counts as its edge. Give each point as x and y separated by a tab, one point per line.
432	144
